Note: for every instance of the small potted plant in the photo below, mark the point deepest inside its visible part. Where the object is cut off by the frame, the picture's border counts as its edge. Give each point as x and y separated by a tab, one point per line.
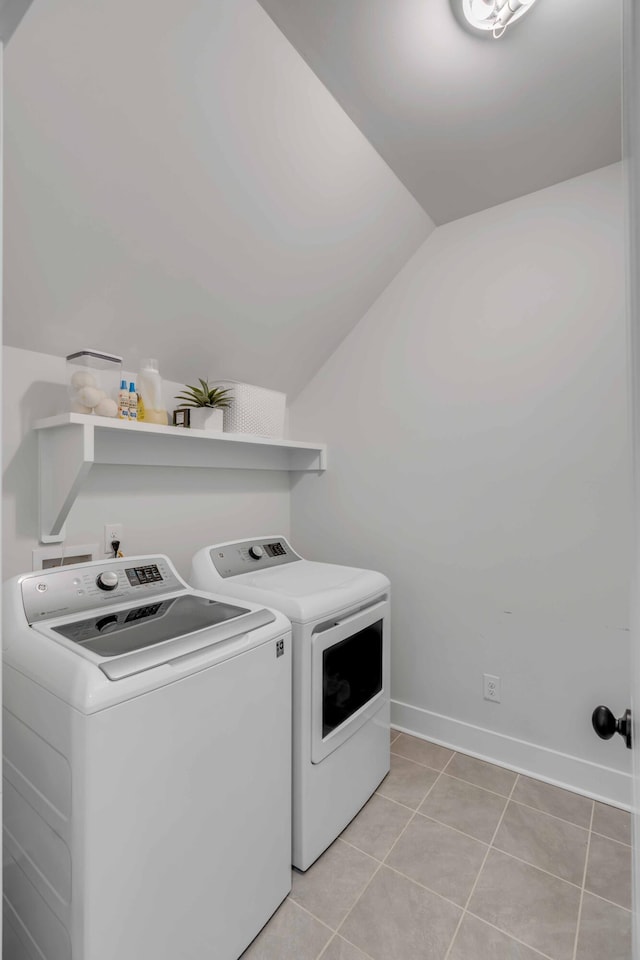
205	404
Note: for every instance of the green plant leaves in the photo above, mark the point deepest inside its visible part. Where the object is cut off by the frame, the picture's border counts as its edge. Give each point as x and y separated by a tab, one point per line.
204	396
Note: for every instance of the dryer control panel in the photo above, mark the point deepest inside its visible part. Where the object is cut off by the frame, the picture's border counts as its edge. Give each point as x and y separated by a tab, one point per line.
86	586
242	556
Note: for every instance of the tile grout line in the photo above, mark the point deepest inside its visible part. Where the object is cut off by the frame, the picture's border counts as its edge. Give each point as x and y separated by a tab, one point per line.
351	944
311	914
331	940
353	846
475	883
552	815
502	796
510	770
334	932
422	886
610	902
502	766
488	923
381	862
584	880
453	776
483	843
613	839
508	796
469	836
534	866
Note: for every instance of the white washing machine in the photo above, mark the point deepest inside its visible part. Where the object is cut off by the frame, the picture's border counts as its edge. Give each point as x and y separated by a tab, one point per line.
340	618
147	759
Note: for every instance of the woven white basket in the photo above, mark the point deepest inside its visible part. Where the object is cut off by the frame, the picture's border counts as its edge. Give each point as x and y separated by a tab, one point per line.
254	410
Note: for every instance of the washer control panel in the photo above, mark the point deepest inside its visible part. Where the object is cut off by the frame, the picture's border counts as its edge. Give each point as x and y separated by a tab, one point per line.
232	559
74	589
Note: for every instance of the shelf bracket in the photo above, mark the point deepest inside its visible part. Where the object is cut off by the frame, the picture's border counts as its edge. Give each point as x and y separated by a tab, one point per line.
66	455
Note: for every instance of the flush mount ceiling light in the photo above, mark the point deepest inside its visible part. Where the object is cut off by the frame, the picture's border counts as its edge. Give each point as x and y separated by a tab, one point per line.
494	15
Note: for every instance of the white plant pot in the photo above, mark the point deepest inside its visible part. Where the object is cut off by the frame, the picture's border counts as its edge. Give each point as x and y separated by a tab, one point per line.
207	418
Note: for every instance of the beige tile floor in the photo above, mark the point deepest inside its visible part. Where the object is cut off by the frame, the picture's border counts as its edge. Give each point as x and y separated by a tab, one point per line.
456	859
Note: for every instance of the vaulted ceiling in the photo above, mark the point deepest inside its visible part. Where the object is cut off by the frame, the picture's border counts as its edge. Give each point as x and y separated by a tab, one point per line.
466	121
11	13
180	183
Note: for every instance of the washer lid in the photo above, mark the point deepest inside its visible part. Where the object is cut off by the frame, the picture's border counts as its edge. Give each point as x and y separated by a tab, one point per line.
307	590
304	578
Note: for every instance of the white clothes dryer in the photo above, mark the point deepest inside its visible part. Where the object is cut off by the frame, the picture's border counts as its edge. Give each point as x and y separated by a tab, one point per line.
341	619
147	758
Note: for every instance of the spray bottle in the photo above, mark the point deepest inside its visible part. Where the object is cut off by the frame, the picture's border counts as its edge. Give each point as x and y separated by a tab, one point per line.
133	403
123	401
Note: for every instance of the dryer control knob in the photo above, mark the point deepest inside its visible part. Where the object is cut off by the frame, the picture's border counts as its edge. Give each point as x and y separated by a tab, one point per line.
256	551
107	580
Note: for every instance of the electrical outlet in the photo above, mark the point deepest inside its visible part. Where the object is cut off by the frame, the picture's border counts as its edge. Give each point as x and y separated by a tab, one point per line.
112	531
491	687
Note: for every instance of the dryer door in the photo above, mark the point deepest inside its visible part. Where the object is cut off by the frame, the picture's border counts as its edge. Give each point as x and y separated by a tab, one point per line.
349	675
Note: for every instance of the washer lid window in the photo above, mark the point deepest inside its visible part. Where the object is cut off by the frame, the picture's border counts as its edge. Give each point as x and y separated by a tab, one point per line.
116	632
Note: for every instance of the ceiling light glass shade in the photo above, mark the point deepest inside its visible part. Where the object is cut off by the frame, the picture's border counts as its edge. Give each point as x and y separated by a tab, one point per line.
494	15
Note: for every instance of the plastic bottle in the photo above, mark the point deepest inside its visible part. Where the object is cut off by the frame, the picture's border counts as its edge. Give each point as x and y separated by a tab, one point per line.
150	383
123	401
133	402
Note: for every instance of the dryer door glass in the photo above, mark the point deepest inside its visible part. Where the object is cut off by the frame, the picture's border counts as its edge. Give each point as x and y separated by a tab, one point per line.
351	675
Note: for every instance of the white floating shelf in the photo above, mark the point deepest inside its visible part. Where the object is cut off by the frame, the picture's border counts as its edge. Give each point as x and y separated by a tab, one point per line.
71	443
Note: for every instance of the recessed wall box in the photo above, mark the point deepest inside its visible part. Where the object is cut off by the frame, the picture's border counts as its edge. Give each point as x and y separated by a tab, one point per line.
59	556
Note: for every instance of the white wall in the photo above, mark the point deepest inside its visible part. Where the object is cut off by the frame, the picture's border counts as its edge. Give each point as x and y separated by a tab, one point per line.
477	428
166	510
180	184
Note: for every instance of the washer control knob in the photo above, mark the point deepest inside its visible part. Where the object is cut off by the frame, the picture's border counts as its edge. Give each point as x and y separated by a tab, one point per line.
256	551
107	580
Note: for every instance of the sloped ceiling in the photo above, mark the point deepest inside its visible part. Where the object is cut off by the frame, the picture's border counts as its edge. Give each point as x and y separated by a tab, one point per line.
11	13
466	121
179	184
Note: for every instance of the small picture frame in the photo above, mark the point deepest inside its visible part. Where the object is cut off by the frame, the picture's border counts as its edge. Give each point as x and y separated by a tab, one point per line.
182	418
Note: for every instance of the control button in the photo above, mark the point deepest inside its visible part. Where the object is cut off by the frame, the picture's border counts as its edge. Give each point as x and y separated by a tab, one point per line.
41	587
107	580
80	592
256	551
77	582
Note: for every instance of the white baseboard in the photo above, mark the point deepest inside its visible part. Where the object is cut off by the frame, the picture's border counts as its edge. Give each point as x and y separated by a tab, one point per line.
560	769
